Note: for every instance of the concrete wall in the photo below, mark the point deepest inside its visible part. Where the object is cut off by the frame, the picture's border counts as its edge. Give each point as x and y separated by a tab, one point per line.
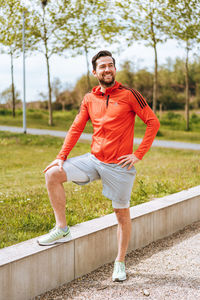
27	269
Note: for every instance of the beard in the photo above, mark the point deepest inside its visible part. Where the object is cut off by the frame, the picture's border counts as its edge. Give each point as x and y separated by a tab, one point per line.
107	83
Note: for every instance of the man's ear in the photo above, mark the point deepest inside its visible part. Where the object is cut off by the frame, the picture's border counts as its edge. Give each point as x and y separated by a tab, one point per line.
94	73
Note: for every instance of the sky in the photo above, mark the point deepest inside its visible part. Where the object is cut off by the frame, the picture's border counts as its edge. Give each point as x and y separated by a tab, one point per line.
68	70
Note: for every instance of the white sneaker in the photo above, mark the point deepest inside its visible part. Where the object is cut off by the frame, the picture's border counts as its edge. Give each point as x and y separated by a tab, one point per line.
56	235
119	273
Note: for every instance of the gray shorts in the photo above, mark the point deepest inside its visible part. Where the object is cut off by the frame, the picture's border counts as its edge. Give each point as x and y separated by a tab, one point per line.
117	181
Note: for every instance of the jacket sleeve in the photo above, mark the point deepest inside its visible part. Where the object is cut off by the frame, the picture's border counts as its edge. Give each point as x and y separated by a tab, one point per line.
75	131
145	113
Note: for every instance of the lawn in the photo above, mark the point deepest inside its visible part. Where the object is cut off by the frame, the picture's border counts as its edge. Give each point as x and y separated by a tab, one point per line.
25	211
172	123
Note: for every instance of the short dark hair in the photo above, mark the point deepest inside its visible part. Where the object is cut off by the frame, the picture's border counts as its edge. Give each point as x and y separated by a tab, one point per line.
101	54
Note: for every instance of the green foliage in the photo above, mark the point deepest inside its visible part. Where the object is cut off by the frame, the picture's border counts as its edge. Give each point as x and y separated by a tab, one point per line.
5	112
183	19
6	95
47	20
46	23
159	133
75	27
171	116
11	37
149	20
171	82
195	119
71	99
126	74
176	121
81	87
144	21
11	27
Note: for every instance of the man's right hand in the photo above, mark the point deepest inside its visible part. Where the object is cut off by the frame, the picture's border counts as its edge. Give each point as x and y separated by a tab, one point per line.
56	162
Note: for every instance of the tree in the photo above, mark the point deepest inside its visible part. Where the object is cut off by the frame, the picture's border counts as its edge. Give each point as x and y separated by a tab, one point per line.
56	87
170	92
81	88
84	31
6	96
144	21
66	99
88	29
126	74
143	82
11	35
184	26
48	17
195	78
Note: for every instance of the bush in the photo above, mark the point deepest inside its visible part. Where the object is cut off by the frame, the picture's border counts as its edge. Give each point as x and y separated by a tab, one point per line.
170	115
194	119
56	106
170	99
34	114
173	120
159	133
5	112
19	112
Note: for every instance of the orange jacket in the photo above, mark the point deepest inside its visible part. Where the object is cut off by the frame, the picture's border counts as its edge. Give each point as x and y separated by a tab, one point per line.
113	117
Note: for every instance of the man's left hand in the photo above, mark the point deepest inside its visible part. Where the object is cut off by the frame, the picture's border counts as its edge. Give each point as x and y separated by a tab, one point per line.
128	159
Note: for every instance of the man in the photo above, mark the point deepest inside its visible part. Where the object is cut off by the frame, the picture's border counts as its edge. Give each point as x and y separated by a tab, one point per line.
111	108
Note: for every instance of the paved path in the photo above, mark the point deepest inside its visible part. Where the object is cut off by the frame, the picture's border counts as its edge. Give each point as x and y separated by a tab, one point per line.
88	137
168	269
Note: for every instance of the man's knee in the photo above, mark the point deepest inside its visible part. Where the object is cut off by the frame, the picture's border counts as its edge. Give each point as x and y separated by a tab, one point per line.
54	175
123	215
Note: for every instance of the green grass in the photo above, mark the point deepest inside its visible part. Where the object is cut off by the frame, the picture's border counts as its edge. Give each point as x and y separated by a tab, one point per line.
172	123
39	119
25	211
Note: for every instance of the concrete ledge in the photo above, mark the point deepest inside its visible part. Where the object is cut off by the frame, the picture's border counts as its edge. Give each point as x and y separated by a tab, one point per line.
27	269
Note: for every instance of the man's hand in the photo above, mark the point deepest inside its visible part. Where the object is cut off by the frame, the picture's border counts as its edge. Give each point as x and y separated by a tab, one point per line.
56	162
128	159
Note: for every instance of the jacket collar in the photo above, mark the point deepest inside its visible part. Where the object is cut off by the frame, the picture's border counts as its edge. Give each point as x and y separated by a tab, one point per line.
97	89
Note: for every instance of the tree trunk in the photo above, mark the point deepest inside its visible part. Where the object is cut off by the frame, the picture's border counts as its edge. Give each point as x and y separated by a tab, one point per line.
12	86
88	71
187	89
49	91
155	80
63	105
160	110
48	70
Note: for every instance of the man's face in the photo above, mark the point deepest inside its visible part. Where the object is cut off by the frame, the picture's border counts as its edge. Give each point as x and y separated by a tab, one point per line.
105	71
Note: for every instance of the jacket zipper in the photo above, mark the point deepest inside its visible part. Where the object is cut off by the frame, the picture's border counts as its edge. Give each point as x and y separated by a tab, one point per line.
107	100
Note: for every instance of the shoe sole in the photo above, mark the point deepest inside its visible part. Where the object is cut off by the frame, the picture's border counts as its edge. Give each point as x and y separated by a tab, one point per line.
62	240
118	280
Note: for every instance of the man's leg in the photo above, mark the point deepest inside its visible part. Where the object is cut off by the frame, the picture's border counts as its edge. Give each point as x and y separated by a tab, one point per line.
123	231
54	182
123	237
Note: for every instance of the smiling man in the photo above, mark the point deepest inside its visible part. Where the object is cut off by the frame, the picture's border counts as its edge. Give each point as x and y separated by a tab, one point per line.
112	108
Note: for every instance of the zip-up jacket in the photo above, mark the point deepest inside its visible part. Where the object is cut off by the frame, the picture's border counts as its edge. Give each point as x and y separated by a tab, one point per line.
113	117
